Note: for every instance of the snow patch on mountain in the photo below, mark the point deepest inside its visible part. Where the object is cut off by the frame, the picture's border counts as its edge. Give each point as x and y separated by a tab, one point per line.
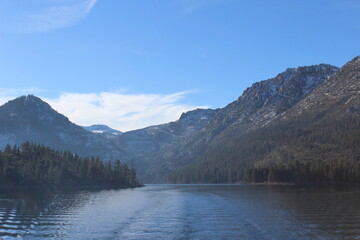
102	129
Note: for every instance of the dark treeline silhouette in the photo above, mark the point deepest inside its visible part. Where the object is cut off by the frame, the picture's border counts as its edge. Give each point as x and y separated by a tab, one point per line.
302	151
34	165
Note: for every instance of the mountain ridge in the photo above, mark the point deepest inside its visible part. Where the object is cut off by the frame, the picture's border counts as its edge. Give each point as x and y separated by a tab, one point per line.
103	130
159	150
316	140
28	118
256	107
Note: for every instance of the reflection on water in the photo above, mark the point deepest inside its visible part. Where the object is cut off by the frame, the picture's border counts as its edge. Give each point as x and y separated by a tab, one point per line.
182	212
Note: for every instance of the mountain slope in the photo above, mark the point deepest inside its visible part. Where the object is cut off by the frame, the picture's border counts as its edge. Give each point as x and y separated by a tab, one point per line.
151	147
28	118
168	147
103	130
317	140
208	139
266	99
256	107
338	95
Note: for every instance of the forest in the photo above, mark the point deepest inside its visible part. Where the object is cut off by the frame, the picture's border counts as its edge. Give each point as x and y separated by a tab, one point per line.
302	151
34	165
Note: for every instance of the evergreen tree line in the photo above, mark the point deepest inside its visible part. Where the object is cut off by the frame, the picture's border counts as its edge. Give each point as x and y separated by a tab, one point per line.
301	151
38	165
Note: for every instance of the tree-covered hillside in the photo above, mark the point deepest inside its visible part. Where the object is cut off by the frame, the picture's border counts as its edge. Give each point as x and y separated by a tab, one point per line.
316	141
34	165
322	152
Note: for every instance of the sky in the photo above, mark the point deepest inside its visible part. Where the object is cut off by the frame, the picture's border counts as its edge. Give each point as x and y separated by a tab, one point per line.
135	63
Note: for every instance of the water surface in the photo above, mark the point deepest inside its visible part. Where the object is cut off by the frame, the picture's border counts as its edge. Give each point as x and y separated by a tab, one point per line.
182	212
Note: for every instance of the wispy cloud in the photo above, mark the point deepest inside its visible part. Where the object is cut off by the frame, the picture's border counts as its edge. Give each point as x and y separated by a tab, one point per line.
43	15
116	109
121	111
191	6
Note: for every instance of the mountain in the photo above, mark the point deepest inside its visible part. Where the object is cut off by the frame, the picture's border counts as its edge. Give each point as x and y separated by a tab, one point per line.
337	97
103	130
264	100
152	147
315	140
268	125
28	118
162	149
256	107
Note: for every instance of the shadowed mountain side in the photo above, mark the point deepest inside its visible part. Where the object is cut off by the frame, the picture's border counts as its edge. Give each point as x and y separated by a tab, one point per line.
317	140
256	107
28	118
158	150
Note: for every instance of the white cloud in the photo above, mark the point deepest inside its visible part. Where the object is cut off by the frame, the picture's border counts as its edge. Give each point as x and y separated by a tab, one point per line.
116	109
42	15
121	111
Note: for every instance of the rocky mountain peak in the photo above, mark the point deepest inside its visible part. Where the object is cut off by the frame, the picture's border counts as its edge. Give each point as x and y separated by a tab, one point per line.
196	115
28	101
29	107
353	66
304	79
355	60
341	91
266	99
28	118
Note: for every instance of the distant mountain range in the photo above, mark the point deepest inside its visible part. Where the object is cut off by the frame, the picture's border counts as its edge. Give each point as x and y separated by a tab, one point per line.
222	145
103	129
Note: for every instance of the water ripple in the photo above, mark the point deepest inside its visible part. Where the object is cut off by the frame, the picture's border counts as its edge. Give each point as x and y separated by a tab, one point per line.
182	212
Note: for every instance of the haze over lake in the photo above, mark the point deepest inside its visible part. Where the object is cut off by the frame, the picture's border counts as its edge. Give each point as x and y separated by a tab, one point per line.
182	212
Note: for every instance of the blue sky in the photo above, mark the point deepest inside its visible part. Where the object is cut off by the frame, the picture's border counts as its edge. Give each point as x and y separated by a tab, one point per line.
135	63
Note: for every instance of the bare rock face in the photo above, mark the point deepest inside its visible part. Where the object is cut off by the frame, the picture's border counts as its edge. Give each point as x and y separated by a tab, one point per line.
338	94
264	100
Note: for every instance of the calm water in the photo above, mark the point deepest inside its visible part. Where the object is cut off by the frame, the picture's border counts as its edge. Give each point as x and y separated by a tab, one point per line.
182	212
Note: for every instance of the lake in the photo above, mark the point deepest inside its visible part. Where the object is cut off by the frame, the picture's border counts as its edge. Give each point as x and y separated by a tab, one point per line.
182	212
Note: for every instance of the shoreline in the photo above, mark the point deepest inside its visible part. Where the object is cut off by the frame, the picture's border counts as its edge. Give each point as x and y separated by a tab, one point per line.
69	187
